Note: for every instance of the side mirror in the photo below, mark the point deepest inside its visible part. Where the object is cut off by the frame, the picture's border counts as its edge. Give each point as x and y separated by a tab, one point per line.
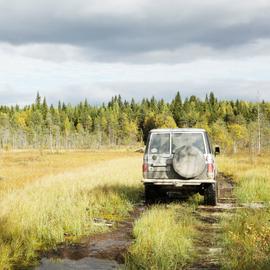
217	150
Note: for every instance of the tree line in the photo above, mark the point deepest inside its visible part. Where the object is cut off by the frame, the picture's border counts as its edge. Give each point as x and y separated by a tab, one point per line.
232	124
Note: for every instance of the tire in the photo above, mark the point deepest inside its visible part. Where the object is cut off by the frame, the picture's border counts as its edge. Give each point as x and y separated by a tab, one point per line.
151	194
210	195
188	162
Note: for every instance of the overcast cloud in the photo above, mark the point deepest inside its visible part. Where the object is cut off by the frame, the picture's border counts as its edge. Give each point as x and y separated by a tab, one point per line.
74	49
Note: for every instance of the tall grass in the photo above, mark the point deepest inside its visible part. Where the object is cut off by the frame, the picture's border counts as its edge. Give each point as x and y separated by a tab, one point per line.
20	168
163	239
247	240
246	237
62	207
251	176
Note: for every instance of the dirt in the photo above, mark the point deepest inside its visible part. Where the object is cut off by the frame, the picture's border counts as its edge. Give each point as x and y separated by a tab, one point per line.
207	244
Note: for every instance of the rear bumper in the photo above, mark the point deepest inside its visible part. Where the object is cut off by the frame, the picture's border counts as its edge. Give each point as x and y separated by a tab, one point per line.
178	182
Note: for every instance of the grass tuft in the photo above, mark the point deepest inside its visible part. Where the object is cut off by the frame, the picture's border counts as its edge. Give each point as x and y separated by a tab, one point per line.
163	239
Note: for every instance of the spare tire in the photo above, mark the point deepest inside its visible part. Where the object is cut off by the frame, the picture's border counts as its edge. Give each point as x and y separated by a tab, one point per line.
188	161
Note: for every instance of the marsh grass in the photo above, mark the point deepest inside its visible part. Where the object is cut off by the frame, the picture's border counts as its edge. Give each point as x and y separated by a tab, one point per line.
61	207
21	168
163	238
246	234
246	240
251	176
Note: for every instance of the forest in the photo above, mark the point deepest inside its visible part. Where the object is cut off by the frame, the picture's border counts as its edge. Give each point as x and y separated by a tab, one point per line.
232	124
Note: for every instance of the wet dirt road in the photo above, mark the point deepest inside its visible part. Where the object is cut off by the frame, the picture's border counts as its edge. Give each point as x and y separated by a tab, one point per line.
207	244
106	251
103	251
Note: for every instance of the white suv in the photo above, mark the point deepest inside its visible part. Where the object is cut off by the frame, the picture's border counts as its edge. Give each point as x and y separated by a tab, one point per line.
179	160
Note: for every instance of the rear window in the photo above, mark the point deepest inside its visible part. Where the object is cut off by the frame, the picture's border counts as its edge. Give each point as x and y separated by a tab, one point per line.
160	143
193	139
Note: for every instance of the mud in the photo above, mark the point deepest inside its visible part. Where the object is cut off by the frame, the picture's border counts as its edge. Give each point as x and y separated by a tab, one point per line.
82	264
101	251
207	244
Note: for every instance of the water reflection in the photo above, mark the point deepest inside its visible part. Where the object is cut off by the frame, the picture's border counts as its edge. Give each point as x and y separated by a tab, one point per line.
83	264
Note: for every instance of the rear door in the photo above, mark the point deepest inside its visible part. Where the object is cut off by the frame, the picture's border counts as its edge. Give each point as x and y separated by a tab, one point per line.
159	152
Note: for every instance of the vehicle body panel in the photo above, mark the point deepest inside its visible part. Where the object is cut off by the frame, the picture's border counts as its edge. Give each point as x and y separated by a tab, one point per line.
160	165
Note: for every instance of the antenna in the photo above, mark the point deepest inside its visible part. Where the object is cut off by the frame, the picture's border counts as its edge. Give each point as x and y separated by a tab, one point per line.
259	123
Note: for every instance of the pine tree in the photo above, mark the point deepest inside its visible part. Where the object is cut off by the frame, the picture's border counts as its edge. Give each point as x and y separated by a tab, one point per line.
38	101
177	109
44	108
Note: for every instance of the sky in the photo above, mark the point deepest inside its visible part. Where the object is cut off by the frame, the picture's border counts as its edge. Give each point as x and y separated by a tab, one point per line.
95	49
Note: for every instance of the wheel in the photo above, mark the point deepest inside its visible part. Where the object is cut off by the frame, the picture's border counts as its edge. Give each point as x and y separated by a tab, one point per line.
210	195
151	194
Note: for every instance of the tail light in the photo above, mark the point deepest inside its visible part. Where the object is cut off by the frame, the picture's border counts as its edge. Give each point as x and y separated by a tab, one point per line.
210	170
145	167
210	167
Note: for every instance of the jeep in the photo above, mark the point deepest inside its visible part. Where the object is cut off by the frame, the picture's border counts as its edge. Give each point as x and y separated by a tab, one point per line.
179	161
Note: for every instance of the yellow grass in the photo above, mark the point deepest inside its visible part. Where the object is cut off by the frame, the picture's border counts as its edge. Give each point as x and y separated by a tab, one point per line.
164	238
246	240
46	199
61	197
20	168
251	176
246	237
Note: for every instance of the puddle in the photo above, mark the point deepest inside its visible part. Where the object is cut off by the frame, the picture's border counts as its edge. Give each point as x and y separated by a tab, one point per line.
101	251
82	264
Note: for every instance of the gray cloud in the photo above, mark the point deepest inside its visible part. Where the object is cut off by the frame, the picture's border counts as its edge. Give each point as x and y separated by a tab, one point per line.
74	49
135	30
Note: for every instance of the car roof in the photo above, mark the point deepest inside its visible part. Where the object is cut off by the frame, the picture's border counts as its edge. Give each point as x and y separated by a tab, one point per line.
177	130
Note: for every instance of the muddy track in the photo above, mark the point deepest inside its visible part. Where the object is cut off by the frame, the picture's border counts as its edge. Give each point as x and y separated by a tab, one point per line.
106	251
101	251
207	243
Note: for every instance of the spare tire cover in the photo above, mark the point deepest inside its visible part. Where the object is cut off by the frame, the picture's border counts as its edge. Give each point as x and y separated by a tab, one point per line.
188	161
